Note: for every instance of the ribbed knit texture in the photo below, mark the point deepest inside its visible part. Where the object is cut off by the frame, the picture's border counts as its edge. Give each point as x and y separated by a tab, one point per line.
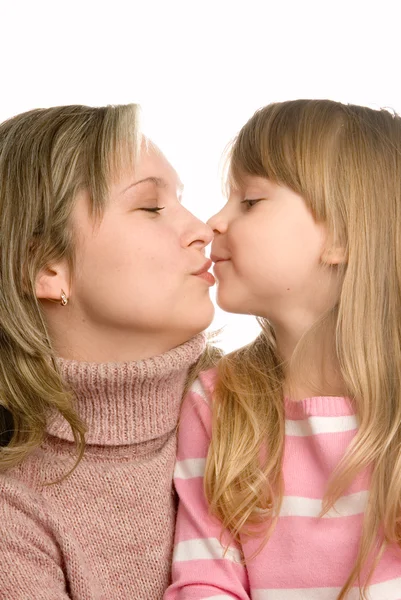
106	531
308	557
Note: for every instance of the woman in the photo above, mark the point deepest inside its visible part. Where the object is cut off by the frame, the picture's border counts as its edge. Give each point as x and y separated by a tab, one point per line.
103	294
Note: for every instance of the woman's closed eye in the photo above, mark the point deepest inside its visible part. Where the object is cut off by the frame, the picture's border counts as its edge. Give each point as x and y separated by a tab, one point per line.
153	209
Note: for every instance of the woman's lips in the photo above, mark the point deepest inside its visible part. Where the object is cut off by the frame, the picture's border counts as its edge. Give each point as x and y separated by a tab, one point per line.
206	266
204	274
208	277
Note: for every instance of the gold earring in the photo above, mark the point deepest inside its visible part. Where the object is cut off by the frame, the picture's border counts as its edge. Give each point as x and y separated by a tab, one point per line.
64	299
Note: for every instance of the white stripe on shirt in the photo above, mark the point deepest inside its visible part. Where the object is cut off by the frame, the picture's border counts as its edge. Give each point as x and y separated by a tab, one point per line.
297	506
198	388
189	468
387	590
219	597
292	506
201	549
319	425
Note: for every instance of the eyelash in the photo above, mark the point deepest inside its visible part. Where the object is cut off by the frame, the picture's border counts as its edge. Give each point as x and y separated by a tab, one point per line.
154	209
249	203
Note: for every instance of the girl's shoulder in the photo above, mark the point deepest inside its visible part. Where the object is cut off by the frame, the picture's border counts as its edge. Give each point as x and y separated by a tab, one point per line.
195	425
203	386
196	411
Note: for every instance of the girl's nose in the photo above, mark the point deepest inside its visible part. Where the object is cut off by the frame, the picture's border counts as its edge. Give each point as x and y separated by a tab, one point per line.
218	223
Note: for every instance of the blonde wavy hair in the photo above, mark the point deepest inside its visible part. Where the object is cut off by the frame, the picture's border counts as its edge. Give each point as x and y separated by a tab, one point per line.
46	157
345	161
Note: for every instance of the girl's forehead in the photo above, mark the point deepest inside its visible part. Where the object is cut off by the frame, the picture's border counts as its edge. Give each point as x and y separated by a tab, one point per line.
248	181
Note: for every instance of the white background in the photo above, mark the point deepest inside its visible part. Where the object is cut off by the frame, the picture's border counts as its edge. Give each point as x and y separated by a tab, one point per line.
199	69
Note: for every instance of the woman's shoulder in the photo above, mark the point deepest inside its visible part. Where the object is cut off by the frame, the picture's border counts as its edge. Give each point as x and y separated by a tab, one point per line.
29	481
21	501
30	536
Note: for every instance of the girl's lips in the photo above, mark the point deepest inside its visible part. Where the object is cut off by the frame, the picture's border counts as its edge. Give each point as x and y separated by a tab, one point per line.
217	259
218	264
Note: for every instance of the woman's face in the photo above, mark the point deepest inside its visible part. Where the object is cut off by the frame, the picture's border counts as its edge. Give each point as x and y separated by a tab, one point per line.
135	292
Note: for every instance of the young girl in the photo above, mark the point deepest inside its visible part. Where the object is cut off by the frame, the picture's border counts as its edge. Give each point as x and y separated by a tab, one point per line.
104	291
295	442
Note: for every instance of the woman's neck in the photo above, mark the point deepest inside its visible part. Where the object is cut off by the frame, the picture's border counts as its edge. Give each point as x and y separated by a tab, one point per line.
129	402
102	343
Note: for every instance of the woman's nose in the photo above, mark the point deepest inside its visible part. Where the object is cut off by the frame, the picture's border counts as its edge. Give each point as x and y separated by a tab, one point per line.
200	234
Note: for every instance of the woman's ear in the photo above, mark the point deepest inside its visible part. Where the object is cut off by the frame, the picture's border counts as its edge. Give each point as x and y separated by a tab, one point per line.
52	281
334	255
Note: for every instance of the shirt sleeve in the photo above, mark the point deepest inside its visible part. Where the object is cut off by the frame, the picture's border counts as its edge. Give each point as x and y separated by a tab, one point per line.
30	561
203	565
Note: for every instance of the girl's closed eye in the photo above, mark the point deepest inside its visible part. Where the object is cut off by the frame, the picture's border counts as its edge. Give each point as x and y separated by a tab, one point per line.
248	203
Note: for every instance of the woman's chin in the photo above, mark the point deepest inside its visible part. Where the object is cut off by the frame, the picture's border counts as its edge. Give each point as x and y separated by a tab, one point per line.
199	321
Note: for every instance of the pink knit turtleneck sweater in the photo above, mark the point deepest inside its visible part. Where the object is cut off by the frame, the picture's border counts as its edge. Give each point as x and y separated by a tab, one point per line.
106	531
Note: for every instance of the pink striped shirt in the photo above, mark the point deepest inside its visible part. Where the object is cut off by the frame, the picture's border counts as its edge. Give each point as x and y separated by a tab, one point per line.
308	557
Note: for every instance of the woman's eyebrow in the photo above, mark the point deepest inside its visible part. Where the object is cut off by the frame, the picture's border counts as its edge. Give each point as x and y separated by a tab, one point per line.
158	181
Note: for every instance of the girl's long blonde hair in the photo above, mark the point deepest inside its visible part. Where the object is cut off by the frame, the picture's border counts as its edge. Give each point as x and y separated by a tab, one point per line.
345	161
46	157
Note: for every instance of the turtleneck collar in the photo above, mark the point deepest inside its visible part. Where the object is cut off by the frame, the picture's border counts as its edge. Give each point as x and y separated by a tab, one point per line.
128	403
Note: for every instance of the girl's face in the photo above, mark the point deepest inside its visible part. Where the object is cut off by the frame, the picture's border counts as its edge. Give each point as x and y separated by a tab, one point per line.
135	291
268	254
